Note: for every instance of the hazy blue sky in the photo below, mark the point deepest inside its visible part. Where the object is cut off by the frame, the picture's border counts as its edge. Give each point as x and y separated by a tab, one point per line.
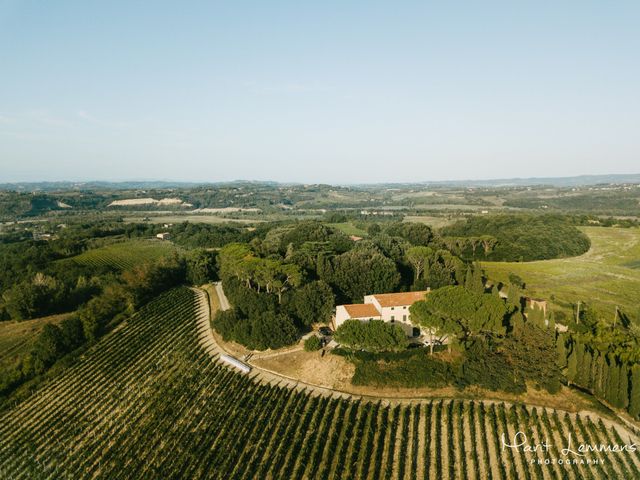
318	91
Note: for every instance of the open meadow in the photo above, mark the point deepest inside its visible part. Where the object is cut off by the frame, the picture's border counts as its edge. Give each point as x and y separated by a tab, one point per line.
608	275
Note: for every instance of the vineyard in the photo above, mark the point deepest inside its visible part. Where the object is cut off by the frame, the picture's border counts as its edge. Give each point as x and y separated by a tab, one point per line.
148	402
125	255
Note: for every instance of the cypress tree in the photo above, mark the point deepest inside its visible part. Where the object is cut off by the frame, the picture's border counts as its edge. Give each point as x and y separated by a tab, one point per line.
634	400
552	321
477	283
598	387
561	349
623	387
513	296
572	364
579	363
606	376
468	279
584	368
614	379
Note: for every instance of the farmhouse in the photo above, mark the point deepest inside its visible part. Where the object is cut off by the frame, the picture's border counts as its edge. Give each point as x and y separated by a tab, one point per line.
390	307
537	303
164	236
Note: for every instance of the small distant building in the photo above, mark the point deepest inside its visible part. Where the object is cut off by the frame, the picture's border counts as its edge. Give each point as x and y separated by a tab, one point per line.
537	303
355	238
44	236
390	307
164	236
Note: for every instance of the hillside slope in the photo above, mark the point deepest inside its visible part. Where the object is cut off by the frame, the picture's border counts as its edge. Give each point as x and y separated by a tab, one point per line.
148	402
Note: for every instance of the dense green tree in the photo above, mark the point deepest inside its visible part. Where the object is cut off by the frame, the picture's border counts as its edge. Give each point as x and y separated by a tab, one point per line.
489	367
72	332
395	248
445	269
361	272
465	312
48	347
35	297
433	325
201	267
374	229
311	303
414	233
532	352
420	259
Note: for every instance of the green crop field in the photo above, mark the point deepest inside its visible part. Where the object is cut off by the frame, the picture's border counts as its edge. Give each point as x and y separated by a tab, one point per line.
125	255
606	276
148	402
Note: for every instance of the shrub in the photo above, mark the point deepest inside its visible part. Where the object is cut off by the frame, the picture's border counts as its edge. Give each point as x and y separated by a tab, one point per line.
312	344
268	330
373	336
410	370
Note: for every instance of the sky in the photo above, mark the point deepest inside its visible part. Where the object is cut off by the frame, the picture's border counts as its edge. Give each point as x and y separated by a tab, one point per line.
323	91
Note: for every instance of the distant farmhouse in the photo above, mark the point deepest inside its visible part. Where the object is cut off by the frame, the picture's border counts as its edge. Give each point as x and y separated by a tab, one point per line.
164	236
390	307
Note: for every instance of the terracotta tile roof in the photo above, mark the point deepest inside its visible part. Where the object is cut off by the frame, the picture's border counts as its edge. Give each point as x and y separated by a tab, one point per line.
362	310
399	299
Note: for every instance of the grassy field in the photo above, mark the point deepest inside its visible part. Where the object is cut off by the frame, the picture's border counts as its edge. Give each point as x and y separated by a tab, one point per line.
125	255
16	338
606	276
148	402
434	222
349	229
